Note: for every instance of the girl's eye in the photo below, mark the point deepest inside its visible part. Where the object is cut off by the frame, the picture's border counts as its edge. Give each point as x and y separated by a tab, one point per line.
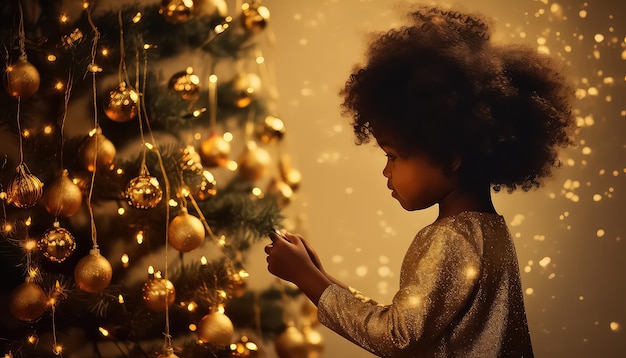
390	157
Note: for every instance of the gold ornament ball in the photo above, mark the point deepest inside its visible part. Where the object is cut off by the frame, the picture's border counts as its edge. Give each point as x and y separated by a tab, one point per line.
214	151
22	79
186	232
215	328
210	8
240	91
291	344
62	197
158	293
201	183
28	302
168	353
93	272
255	17
57	244
253	163
121	104
177	11
282	191
104	156
271	130
25	189
244	348
186	84
314	342
144	192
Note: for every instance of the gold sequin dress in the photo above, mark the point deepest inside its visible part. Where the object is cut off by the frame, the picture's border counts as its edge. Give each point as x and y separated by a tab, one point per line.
460	296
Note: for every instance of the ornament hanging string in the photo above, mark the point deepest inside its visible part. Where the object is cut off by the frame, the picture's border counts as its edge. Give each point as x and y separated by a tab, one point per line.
66	100
122	72
93	68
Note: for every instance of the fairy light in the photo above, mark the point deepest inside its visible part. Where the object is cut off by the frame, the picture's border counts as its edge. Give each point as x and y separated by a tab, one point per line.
139	237
203	260
221	309
256	191
260	60
119	171
103	331
150	270
64	19
51	57
120	299
59	86
173	203
105	52
26	133
228	136
48	129
222	240
57	349
137	17
192	327
125	260
121	211
232	165
191	307
30	245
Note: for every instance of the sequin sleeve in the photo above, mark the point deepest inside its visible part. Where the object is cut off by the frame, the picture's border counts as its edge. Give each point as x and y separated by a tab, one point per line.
437	279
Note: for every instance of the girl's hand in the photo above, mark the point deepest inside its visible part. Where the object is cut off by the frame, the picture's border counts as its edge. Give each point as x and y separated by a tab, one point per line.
289	259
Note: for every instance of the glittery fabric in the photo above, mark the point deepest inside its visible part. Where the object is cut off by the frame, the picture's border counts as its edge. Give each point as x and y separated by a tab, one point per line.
460	296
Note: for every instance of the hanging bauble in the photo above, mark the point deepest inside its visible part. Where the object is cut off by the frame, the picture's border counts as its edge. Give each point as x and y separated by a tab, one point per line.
25	189
214	151
105	155
186	232
144	192
291	344
200	183
158	293
254	17
93	272
216	329
177	11
62	196
253	163
28	301
186	84
210	8
244	348
237	285
22	78
314	342
190	159
121	104
282	191
168	353
57	244
289	175
240	91
271	130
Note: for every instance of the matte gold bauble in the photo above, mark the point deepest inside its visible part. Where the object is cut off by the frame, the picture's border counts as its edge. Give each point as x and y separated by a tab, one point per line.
28	302
200	183
105	155
271	130
244	348
62	197
254	17
210	8
144	192
158	293
186	84
215	328
22	79
291	344
121	104
314	342
240	91
57	244
253	163
186	232
93	272
177	11
289	175
281	191
25	189
214	151
168	353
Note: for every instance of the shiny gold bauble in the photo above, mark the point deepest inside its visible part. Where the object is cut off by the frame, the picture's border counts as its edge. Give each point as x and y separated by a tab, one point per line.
291	344
57	244
214	151
186	84
62	197
244	348
22	79
186	232
200	183
210	8
93	272
28	301
271	130
177	11
254	17
240	91
25	189
158	293
253	163
121	104
281	191
314	342
144	192
216	328
289	175
105	155
168	353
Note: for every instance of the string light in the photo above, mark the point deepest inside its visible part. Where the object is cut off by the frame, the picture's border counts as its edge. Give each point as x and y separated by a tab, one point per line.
139	237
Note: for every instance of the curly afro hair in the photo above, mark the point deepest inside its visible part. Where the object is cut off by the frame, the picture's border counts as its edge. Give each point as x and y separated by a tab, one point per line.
440	87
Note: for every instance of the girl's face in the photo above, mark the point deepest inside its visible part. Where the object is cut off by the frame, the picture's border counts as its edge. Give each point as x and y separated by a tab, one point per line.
416	182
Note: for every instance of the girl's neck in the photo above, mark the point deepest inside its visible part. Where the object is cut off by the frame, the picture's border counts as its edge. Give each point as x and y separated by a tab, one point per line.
473	199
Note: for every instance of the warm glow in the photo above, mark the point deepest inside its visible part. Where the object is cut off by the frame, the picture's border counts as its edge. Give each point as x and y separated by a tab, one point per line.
104	331
47	129
125	260
137	18
213	78
139	237
203	260
191	306
64	18
121	211
51	57
30	245
120	299
105	52
256	191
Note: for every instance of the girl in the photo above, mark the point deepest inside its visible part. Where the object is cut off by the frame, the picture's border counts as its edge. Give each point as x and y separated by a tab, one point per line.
456	116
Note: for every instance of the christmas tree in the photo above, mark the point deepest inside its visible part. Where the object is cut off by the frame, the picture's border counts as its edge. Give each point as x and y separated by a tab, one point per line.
141	138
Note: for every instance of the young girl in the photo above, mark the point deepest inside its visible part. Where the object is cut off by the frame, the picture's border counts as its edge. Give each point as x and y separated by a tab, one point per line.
456	116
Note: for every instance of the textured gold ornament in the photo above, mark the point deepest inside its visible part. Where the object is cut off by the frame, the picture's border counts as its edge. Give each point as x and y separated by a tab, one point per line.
158	293
105	155
271	130
93	272
216	328
121	104
186	84
22	78
186	232
62	197
214	151
25	189
177	11
314	342
28	301
253	163
200	183
291	344
57	244
254	17
240	91
245	348
144	192
210	8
